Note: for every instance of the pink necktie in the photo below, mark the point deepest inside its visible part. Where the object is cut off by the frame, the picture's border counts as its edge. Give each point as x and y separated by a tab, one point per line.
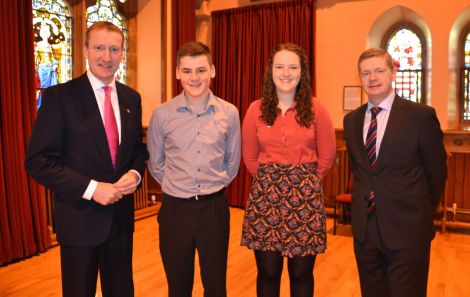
110	125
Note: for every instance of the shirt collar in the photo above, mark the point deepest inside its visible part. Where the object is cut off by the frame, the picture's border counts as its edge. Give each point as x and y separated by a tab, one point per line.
386	104
181	103
97	84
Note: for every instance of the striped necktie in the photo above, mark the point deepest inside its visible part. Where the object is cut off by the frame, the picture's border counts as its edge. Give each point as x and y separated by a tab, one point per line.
371	138
371	150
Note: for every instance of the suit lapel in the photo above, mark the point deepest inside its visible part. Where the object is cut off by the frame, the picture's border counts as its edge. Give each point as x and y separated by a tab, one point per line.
359	134
92	117
125	111
394	122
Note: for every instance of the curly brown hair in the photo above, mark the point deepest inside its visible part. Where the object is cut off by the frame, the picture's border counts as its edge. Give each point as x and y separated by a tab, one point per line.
303	93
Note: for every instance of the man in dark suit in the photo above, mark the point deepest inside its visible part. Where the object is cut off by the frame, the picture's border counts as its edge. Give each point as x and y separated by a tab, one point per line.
86	146
398	161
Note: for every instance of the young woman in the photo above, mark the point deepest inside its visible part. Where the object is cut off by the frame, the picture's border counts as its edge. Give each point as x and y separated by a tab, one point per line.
288	146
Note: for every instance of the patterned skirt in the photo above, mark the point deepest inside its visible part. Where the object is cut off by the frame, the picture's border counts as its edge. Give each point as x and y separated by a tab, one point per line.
285	211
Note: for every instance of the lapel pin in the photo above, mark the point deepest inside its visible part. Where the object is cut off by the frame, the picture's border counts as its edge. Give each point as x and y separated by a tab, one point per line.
128	110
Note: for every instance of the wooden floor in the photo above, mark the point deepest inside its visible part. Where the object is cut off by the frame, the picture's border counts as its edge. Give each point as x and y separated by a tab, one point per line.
335	271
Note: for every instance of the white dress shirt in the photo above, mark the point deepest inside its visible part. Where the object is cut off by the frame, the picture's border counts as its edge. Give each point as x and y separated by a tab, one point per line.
97	87
382	119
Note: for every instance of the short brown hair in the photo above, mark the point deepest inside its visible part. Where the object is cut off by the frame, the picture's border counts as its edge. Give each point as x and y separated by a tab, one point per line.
193	49
100	26
376	52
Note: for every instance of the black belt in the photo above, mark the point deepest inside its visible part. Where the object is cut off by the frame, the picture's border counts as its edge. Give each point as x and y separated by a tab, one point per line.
206	196
198	197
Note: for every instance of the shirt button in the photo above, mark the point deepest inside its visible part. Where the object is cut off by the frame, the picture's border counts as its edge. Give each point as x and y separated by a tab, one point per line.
198	186
198	169
198	133
198	152
198	115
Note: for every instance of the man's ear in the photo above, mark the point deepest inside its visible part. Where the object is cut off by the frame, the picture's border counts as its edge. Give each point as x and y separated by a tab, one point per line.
85	52
177	73
212	71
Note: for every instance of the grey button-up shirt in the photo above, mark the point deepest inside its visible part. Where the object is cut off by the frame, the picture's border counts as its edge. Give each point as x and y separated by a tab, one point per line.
190	153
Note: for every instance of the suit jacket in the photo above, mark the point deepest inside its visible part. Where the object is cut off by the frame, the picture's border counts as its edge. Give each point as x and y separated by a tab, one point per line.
409	176
68	148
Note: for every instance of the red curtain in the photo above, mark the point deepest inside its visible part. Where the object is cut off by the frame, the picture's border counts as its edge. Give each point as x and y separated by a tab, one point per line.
23	229
242	40
183	30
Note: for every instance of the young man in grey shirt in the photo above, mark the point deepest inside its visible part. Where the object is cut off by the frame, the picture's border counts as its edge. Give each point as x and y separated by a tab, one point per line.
194	145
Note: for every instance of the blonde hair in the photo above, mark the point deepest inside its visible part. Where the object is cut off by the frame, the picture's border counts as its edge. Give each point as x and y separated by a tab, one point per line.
100	26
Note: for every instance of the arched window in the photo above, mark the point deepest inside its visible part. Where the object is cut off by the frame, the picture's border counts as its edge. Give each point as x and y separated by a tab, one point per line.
52	26
406	46
465	78
105	10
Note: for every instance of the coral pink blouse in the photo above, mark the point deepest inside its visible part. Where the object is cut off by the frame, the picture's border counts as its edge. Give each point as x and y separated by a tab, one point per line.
286	142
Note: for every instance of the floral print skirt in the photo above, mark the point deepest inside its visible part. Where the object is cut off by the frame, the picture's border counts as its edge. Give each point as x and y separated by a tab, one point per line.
285	211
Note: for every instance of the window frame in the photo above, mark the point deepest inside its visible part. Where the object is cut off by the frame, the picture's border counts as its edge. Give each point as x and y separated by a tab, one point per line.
461	54
424	59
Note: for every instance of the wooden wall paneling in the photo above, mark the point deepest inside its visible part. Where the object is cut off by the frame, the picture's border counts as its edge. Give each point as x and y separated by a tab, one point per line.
140	196
336	180
450	180
328	184
458	179
153	187
466	183
345	172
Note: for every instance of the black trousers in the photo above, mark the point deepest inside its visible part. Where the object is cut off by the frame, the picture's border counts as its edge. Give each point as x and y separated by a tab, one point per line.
391	273
189	225
113	260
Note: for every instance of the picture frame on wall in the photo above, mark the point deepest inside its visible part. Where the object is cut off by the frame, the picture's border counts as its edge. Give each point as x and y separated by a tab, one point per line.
352	97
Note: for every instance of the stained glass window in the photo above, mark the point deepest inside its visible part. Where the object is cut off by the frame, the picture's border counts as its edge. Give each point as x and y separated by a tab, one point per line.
52	26
105	10
465	81
407	52
467	50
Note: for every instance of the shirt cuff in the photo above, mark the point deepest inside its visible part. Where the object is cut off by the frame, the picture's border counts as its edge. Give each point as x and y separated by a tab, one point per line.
90	190
138	174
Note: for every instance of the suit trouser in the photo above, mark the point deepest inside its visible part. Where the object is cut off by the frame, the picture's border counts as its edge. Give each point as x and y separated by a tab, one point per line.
189	225
113	260
384	272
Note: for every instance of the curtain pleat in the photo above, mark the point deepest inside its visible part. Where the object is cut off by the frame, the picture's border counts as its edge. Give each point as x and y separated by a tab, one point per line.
242	40
183	30
23	227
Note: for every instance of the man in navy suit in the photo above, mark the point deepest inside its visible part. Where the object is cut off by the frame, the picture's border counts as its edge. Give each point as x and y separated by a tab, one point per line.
86	146
397	157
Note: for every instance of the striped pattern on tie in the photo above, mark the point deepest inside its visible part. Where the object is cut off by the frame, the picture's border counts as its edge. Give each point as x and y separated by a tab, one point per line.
371	150
371	138
371	202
